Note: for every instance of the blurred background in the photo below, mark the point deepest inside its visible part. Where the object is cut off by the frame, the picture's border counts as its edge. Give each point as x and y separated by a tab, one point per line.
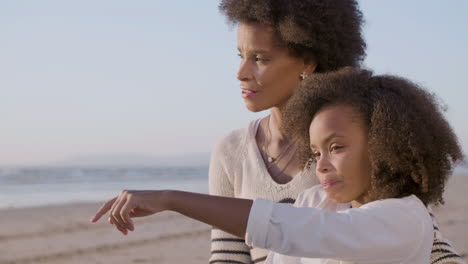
103	95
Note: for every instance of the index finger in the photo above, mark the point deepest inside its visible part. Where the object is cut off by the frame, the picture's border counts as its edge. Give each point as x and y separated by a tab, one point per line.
103	210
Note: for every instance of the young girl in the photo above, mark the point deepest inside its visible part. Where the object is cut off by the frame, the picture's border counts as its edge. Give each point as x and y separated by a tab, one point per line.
382	152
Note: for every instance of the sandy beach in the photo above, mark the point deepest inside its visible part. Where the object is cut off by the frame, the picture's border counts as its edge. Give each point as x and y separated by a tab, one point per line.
63	234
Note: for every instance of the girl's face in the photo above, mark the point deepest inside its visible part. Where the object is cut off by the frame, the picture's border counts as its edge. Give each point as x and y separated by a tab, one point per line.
268	74
338	140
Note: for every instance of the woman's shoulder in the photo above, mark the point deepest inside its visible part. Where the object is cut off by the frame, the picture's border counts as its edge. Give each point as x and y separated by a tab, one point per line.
227	160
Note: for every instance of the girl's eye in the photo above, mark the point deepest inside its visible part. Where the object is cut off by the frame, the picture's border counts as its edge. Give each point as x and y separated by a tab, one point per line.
240	55
315	156
335	148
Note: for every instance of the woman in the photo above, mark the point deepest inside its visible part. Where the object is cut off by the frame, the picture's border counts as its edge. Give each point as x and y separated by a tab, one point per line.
280	43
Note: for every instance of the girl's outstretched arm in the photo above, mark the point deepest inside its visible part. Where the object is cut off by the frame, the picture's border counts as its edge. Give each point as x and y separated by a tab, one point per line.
228	214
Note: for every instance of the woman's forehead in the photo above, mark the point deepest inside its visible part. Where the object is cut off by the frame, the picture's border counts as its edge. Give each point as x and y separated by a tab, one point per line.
256	36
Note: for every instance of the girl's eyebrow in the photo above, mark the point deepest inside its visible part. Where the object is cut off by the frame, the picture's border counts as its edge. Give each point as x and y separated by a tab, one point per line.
329	138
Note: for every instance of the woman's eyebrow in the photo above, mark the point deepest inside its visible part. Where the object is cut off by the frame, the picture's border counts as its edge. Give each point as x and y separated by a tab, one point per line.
257	51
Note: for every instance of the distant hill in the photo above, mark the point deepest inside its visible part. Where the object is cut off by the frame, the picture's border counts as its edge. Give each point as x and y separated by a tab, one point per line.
134	160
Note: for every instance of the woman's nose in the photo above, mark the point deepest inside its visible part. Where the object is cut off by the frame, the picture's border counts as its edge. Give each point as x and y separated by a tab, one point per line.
245	71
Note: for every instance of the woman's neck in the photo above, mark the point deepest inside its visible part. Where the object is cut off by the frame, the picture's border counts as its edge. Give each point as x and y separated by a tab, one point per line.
278	150
275	124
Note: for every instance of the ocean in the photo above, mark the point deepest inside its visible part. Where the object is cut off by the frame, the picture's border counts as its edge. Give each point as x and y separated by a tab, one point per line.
31	187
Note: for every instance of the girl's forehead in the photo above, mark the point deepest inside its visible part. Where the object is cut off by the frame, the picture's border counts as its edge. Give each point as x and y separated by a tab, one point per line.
337	112
341	117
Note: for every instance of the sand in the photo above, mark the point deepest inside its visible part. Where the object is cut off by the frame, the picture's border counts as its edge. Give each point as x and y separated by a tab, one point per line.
63	234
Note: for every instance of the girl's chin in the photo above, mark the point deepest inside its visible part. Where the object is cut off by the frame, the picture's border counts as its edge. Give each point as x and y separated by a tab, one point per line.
338	197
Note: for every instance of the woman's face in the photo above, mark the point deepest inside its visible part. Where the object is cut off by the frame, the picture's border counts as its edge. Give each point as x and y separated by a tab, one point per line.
267	73
338	140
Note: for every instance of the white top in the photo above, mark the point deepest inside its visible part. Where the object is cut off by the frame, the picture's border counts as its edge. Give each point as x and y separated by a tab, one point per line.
318	230
237	170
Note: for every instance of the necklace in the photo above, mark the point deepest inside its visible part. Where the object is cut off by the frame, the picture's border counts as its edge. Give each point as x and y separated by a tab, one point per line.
270	158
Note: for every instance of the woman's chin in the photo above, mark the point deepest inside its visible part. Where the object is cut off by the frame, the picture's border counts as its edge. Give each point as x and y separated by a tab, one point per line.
255	107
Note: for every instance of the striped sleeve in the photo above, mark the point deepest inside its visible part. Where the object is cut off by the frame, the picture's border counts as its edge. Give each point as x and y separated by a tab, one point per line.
442	251
226	248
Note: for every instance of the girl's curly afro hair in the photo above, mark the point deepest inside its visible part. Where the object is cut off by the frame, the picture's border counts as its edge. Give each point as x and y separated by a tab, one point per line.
327	30
411	145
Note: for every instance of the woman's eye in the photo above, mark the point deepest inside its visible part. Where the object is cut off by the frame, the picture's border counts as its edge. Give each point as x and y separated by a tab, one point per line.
260	59
240	55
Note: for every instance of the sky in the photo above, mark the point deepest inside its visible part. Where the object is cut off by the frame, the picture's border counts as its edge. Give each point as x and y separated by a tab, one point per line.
106	77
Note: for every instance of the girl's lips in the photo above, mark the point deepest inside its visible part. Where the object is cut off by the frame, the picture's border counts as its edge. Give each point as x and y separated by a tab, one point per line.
329	183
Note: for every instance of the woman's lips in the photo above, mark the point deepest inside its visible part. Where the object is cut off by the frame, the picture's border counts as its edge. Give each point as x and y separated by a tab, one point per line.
247	93
329	183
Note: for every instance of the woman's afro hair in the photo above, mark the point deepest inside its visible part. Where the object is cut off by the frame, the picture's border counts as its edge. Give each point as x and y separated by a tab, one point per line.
412	147
328	31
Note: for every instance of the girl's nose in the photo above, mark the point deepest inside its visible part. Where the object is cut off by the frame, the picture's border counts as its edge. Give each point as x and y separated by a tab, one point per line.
323	164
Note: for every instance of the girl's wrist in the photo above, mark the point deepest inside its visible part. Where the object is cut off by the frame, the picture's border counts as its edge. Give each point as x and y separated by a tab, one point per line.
167	199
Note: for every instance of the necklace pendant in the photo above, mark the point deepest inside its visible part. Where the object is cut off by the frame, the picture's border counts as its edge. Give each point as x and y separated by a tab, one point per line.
271	159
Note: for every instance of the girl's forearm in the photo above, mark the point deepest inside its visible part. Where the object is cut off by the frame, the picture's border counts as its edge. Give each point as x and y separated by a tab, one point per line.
228	214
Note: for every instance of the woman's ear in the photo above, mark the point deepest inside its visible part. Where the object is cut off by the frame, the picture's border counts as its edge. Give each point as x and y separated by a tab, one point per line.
310	68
